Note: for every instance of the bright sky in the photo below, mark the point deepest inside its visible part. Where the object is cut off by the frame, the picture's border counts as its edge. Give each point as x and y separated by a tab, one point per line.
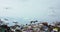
30	9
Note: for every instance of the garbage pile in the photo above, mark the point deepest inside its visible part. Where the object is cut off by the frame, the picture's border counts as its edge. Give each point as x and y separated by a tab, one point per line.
36	27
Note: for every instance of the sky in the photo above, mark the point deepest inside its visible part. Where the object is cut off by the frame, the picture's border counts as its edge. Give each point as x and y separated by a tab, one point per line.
42	10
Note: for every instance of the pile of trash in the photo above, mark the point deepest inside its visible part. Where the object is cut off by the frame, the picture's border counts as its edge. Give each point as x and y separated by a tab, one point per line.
36	27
